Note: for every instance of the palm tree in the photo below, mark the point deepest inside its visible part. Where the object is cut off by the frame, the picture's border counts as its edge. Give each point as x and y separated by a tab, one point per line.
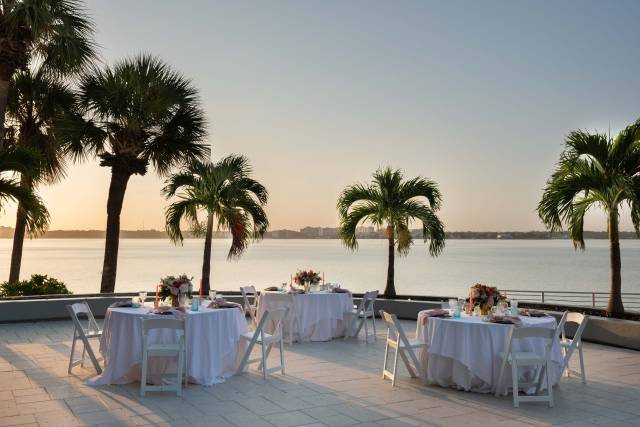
227	194
18	160
392	202
56	32
38	103
138	112
596	171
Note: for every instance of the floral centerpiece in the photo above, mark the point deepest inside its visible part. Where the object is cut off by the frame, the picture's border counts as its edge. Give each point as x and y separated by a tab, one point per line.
307	278
484	297
176	288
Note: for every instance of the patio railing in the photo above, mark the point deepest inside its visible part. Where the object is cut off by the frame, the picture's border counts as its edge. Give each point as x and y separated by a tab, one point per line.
597	300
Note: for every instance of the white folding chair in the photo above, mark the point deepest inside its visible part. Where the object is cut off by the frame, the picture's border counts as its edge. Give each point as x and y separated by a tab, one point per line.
569	345
397	339
92	330
362	312
528	358
266	341
250	302
162	350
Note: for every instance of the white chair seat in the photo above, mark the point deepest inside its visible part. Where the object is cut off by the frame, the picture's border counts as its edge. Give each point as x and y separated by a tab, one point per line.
414	343
267	338
523	357
163	348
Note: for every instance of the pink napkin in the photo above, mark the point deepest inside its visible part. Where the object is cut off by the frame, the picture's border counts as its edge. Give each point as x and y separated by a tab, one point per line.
165	309
296	291
271	289
436	312
341	291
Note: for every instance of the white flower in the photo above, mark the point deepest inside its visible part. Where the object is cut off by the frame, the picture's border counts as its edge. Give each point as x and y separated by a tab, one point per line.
184	288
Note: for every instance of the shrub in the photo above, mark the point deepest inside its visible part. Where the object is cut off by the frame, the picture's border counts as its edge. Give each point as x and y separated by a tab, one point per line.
38	284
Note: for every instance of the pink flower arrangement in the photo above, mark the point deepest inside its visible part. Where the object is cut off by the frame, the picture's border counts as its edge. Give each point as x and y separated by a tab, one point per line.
174	286
309	277
484	296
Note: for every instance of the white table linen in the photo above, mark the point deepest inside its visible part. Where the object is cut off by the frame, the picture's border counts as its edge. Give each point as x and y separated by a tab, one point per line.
320	316
464	353
212	340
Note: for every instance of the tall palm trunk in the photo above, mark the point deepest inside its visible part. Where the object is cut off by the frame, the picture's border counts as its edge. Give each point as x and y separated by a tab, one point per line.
18	242
117	188
206	261
4	97
615	297
390	289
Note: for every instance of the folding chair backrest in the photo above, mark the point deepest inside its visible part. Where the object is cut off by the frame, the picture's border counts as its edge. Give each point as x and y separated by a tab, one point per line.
560	328
546	334
149	324
248	296
578	319
394	327
276	317
82	308
369	300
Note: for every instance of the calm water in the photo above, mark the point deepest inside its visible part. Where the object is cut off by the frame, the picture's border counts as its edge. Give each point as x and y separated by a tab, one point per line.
515	264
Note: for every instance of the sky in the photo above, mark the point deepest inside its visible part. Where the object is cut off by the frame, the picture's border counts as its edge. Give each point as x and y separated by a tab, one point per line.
476	95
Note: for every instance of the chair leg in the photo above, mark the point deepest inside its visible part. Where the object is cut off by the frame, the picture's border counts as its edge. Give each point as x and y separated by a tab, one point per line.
386	356
73	348
264	362
366	330
143	374
84	354
347	327
549	385
395	367
246	356
501	374
373	318
281	355
180	372
584	377
514	382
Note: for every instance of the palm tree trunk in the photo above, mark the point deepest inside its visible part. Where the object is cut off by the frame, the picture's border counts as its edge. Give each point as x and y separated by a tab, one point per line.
18	241
615	306
390	289
4	96
117	188
206	261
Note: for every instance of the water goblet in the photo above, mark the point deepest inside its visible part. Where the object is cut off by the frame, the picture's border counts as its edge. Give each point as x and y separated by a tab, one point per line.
143	296
212	294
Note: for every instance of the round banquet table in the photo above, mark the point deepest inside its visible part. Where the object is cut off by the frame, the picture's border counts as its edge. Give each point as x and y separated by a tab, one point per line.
212	345
464	353
319	316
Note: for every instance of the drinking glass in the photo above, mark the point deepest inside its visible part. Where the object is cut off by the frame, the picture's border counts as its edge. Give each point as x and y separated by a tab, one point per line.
212	294
143	296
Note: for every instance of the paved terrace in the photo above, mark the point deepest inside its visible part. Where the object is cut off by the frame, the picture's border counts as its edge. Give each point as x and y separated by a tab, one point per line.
336	384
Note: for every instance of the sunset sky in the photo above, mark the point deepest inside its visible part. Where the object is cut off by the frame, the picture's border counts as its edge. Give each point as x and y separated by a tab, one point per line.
476	95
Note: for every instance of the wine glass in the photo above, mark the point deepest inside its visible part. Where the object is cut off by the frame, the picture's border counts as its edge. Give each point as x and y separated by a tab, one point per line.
212	294
143	296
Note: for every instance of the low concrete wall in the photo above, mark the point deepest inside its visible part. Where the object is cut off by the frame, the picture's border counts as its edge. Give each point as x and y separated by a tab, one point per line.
616	332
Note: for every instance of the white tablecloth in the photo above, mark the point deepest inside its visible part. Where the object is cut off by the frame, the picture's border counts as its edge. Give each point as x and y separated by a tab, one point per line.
465	353
320	316
212	345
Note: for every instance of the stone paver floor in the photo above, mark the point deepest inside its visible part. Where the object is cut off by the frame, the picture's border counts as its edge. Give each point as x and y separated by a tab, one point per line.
337	383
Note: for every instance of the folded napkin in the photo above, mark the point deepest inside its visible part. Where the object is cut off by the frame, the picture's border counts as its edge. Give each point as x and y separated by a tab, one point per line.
271	289
222	303
341	291
508	320
118	304
531	313
162	309
436	312
296	291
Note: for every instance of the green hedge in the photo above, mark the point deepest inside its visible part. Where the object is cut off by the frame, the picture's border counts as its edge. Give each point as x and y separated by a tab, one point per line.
38	284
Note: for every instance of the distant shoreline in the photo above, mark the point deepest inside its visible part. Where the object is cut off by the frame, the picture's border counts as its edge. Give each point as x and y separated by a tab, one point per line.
324	234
